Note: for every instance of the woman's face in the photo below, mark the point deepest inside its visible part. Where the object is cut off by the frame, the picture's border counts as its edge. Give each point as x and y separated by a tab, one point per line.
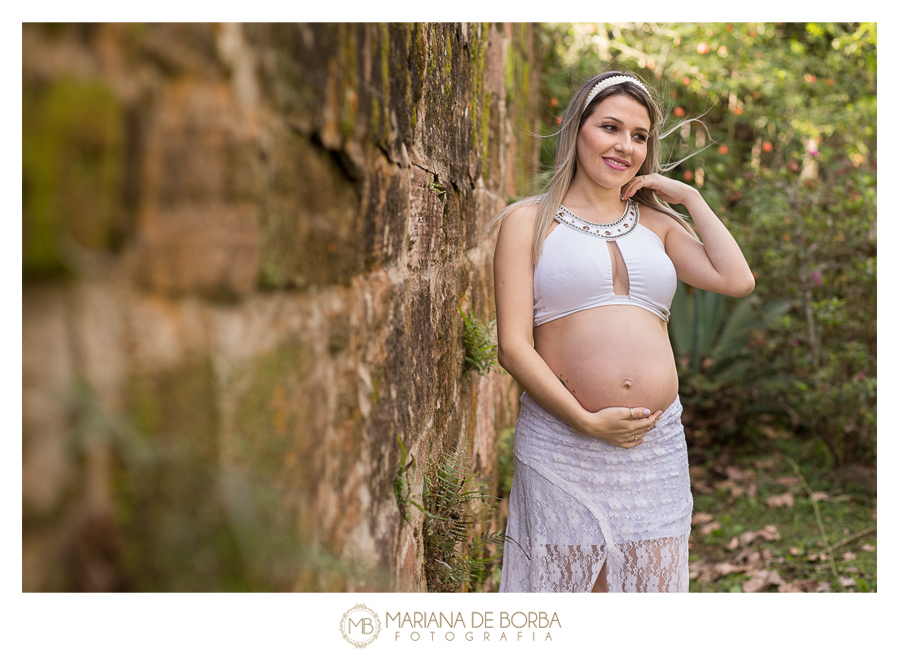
612	142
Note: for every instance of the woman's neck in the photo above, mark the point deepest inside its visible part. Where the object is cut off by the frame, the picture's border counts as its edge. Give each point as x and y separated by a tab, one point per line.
600	202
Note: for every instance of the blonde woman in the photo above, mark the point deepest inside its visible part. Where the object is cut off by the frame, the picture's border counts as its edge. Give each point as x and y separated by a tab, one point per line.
584	278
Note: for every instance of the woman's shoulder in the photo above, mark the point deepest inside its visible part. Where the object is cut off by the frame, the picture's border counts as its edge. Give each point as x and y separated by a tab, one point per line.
524	210
657	221
655	215
519	218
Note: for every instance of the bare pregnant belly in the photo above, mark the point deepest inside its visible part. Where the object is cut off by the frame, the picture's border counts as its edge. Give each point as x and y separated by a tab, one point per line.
611	356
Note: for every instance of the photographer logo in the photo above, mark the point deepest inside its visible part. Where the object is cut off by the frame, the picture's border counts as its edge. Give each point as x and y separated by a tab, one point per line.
360	625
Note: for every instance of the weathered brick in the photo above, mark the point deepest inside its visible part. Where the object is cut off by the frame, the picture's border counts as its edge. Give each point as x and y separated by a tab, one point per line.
198	216
311	223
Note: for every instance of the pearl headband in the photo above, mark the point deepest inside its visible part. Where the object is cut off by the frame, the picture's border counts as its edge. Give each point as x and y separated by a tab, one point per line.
609	82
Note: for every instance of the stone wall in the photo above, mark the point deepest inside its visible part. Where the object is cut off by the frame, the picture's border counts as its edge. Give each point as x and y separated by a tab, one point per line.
245	250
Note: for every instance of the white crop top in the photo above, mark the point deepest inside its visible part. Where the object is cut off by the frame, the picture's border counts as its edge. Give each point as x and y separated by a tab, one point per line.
574	271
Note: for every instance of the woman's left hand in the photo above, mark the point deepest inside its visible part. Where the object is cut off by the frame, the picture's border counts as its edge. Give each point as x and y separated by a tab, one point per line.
668	190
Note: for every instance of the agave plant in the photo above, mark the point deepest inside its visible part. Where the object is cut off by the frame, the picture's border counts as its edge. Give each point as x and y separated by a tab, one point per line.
703	324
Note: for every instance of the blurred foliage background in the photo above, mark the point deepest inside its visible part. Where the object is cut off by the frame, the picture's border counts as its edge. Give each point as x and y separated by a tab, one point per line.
785	151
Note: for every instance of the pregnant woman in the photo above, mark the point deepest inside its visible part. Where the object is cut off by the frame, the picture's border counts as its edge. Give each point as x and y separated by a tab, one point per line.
584	277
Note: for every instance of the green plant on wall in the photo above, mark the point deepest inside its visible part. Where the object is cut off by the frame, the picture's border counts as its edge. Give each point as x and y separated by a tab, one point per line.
435	186
456	505
480	343
401	484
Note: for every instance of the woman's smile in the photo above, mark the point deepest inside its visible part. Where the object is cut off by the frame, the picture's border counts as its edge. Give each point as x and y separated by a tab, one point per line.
617	164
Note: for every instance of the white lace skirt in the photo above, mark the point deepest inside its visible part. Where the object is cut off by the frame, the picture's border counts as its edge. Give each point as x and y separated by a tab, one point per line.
577	502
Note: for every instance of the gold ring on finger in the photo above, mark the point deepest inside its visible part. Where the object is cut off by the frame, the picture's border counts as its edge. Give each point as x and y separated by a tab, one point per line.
631	411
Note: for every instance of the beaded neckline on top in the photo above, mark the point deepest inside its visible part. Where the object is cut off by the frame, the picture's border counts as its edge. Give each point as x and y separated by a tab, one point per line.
619	228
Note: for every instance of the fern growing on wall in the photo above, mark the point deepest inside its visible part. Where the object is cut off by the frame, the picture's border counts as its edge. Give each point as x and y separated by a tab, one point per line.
455	506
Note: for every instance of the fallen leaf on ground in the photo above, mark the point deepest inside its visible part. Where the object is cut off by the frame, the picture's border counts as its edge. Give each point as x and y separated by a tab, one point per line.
782	500
733	544
819	495
848	556
770	533
824	587
794	550
787	480
733	488
735	473
761	580
867	547
725	568
748	537
702	571
709	527
701	486
697	472
700	518
758	559
848	582
798	586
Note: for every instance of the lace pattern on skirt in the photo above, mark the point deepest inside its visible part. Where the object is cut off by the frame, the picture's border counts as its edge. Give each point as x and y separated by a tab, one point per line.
577	502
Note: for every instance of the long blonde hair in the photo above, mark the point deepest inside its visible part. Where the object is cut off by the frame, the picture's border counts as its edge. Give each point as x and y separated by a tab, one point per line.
564	170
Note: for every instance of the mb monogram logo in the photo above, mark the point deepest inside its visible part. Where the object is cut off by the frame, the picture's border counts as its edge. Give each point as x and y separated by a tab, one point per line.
360	626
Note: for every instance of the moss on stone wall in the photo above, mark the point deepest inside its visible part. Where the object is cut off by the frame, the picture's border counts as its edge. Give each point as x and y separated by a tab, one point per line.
279	419
73	167
175	530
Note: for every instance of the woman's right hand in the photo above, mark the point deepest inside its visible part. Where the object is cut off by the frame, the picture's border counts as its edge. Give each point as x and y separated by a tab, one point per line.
615	425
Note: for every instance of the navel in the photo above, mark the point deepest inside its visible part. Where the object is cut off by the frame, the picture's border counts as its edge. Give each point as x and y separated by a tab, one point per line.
627	384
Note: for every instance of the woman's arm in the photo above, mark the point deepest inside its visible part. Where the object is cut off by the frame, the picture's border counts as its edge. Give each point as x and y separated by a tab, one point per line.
716	264
513	288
